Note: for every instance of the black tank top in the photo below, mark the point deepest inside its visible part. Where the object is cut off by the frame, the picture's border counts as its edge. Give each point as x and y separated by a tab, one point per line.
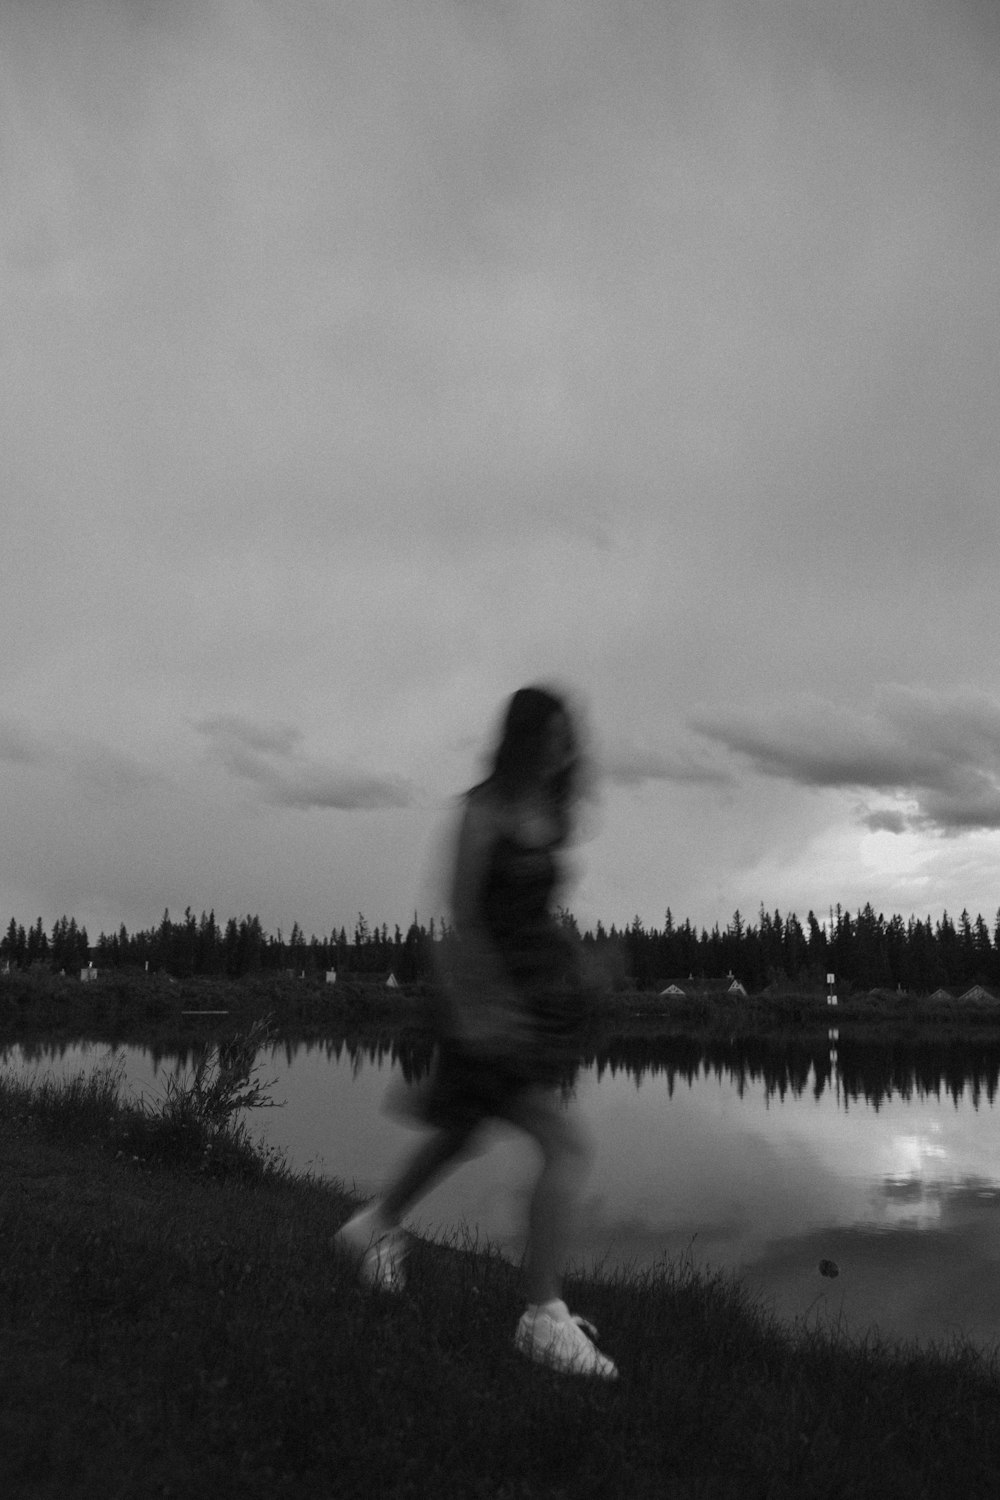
515	905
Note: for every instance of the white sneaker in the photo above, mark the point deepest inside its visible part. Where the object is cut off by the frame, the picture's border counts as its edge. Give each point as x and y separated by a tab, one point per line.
379	1254
552	1335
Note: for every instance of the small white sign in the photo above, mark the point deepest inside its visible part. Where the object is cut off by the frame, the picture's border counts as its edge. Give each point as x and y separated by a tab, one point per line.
831	978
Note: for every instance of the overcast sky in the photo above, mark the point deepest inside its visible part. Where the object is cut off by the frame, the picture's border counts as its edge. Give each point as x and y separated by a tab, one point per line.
364	361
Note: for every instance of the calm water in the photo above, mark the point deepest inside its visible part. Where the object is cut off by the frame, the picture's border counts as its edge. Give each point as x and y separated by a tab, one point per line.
886	1162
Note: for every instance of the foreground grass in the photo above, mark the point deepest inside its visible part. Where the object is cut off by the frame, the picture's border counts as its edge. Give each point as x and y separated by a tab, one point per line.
173	1322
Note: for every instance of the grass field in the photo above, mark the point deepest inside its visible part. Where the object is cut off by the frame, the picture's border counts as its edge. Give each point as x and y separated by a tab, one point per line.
173	1322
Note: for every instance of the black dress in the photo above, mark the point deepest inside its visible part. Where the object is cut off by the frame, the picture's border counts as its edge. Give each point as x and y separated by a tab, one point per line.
539	964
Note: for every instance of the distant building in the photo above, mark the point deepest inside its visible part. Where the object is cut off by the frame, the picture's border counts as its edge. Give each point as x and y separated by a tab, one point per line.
383	979
704	989
979	992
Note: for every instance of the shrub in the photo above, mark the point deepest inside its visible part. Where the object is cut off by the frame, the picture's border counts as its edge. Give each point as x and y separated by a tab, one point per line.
197	1123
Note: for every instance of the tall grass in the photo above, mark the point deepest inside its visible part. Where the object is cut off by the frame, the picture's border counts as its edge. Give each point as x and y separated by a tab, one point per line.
198	1122
86	1101
201	1115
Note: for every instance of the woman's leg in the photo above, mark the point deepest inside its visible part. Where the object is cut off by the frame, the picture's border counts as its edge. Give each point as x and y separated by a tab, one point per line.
421	1171
372	1236
566	1156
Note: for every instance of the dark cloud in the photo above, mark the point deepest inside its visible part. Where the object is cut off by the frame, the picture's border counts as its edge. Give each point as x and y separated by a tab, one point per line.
106	771
263	739
940	751
625	764
885	821
269	757
99	769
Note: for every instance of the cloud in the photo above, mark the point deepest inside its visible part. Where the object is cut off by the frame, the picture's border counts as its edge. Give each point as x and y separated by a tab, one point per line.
936	750
106	771
627	764
420	359
884	820
269	757
265	739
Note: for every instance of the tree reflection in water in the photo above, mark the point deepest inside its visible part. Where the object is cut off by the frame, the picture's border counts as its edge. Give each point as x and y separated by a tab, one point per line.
855	1070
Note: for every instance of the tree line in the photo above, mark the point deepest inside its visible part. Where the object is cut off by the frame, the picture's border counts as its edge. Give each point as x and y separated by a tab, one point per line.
866	950
202	946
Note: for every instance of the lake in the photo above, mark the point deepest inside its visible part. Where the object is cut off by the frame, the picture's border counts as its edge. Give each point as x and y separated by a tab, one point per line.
883	1160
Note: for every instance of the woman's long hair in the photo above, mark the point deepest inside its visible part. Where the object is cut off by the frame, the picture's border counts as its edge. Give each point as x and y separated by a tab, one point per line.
519	755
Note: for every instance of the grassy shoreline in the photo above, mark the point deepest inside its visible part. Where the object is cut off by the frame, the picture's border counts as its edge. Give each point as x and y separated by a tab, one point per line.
126	1006
174	1322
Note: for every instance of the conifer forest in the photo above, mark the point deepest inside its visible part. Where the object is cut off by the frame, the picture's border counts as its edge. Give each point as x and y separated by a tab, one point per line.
864	949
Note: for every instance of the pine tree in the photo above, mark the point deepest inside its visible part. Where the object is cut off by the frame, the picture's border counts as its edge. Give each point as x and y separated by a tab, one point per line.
8	946
983	948
38	944
817	944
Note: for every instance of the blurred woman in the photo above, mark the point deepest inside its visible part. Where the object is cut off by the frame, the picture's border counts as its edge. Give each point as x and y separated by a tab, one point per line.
509	1026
